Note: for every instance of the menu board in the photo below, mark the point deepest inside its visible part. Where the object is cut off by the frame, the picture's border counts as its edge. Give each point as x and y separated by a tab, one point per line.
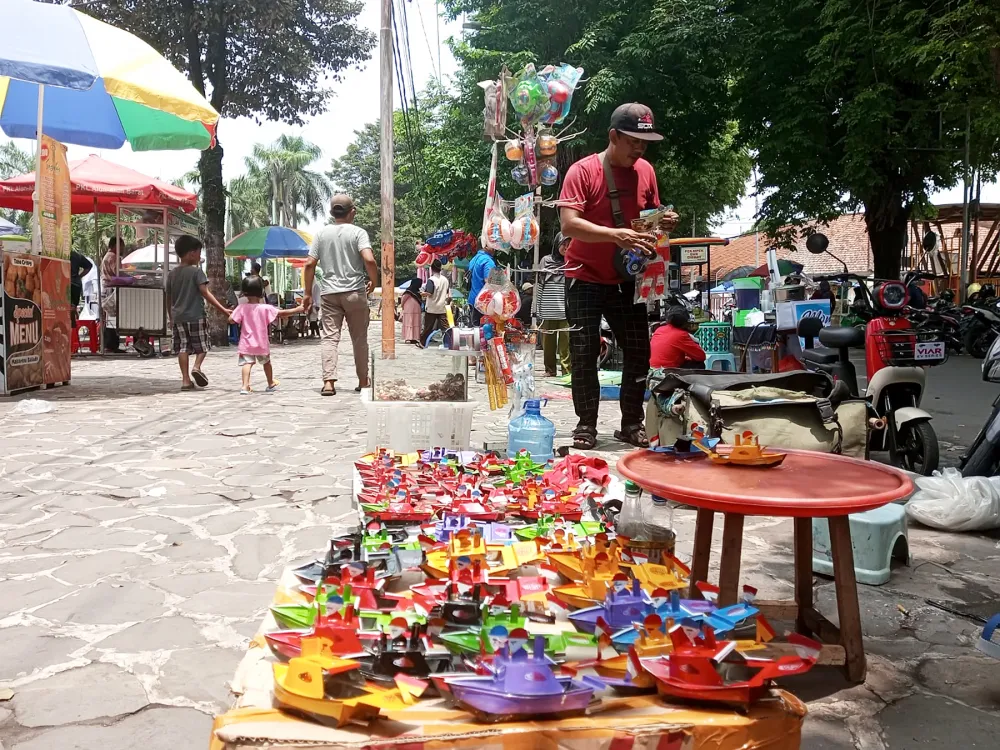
22	322
56	323
55	198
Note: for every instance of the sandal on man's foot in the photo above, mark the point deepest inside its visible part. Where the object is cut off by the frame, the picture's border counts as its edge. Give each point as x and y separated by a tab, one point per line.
635	435
199	378
331	391
584	439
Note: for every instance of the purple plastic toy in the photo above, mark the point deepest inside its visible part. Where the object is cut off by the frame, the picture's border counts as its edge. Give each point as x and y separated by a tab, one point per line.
522	685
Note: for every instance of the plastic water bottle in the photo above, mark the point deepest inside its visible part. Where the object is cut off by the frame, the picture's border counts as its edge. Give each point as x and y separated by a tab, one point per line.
659	520
532	432
630	521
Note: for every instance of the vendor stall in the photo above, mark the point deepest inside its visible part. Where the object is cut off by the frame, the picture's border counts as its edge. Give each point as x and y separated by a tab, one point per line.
138	288
481	604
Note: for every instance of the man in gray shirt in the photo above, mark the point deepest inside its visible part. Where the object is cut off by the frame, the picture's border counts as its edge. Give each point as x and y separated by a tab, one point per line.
344	252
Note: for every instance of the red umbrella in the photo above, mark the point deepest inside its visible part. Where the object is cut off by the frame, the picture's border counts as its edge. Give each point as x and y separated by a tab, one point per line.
94	178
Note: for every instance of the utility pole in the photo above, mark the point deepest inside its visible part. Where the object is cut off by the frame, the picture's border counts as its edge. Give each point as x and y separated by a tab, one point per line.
963	263
387	197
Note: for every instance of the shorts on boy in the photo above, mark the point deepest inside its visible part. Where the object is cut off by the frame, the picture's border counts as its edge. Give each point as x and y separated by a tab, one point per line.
191	337
254	359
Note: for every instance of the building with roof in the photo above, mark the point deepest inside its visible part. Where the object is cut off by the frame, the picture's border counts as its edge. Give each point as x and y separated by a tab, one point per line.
848	241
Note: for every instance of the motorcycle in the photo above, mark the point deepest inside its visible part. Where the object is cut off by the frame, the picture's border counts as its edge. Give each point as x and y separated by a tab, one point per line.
982	459
935	319
983	328
896	355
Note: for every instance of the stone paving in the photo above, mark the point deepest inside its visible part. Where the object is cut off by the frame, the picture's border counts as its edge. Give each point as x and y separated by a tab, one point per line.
142	530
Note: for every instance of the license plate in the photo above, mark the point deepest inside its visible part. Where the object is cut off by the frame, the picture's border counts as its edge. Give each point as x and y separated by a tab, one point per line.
929	350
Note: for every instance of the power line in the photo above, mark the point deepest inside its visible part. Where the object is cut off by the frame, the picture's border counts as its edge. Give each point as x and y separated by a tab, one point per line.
430	52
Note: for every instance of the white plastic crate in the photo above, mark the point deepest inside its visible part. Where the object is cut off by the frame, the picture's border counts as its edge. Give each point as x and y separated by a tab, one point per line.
407	426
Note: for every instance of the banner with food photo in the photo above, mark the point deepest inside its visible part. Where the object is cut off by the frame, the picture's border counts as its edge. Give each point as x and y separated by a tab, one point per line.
56	321
22	322
56	206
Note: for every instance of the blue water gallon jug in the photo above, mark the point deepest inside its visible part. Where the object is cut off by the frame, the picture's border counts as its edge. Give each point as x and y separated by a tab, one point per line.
531	432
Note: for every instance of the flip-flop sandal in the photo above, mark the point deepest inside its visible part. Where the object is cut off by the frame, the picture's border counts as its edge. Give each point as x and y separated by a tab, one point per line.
199	378
634	436
585	440
361	388
188	387
331	392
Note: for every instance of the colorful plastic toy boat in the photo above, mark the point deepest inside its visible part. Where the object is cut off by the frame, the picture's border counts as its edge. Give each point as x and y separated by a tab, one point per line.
620	609
702	669
746	452
341	632
522	685
329	691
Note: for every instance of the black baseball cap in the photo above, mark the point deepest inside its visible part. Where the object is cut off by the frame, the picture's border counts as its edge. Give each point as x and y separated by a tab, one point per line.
636	120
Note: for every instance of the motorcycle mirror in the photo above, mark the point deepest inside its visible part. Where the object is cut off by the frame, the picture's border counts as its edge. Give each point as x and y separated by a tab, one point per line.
929	241
817	243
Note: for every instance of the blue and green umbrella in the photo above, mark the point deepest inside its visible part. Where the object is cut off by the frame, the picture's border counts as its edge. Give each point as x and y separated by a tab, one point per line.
269	243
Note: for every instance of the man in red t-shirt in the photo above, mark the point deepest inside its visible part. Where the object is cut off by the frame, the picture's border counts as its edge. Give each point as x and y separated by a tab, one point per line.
673	346
594	288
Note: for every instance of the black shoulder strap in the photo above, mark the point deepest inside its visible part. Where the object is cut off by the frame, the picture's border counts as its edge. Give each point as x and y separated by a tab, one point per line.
609	178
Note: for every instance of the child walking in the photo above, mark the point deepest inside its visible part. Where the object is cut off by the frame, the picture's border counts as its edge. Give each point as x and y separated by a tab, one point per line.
187	293
254	320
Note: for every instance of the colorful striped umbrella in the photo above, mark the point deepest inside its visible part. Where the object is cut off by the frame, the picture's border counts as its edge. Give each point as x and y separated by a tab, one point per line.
102	86
269	243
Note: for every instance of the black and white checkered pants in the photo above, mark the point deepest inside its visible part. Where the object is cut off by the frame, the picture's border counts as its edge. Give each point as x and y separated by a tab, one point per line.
586	303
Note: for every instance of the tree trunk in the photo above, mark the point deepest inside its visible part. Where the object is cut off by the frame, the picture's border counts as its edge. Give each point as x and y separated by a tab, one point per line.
886	219
214	206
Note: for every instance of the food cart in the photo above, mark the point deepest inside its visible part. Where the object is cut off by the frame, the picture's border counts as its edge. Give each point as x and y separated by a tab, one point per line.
138	288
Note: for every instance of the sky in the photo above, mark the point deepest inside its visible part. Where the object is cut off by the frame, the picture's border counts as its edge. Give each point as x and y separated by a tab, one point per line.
355	102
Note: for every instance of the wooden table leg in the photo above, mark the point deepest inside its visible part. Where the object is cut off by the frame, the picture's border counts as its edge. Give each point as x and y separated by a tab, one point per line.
702	550
803	572
729	566
847	598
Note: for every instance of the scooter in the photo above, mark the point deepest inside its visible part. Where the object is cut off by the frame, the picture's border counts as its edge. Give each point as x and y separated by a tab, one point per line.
896	355
983	328
982	459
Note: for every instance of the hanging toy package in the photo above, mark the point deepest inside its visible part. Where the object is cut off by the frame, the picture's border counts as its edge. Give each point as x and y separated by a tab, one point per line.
497	230
498	302
529	95
524	229
495	111
651	281
560	82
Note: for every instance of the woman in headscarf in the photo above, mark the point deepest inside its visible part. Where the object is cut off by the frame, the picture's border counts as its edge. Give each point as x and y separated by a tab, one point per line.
411	303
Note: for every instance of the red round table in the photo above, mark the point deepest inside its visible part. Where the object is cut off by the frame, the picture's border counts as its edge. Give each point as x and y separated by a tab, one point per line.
806	485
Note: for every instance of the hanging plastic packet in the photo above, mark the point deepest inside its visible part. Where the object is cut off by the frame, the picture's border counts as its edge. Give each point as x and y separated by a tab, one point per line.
560	82
530	157
498	299
497	231
529	95
495	111
524	229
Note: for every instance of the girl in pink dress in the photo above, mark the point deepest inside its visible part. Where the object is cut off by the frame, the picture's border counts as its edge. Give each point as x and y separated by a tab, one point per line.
411	303
254	320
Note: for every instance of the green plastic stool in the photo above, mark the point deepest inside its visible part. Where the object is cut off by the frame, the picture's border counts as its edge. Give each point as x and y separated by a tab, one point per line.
877	536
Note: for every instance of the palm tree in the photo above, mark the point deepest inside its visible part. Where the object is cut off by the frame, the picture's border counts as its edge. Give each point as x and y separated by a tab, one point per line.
295	192
13	162
248	204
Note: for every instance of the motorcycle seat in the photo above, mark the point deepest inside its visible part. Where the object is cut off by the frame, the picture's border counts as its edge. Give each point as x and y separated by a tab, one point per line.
842	338
821	356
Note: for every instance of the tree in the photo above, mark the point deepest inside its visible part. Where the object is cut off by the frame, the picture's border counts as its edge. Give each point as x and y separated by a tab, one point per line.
668	54
15	161
357	173
255	58
852	105
294	191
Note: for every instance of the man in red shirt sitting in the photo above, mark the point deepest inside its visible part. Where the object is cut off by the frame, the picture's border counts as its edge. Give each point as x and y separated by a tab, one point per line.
673	346
598	223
